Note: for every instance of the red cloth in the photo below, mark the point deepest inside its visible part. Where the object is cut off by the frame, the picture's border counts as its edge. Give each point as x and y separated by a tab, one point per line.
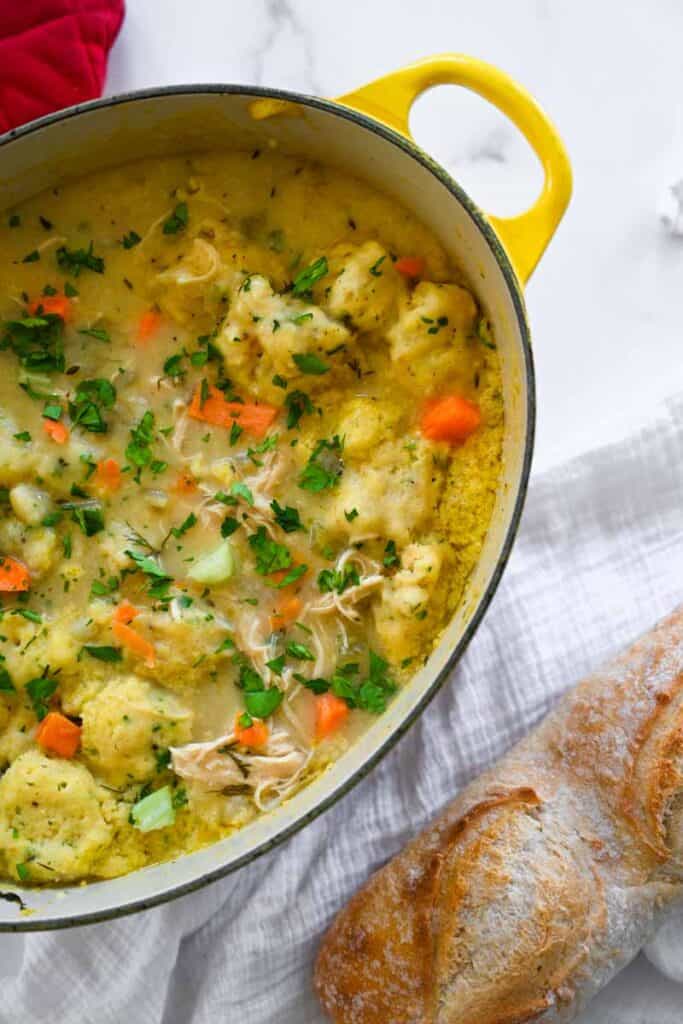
53	53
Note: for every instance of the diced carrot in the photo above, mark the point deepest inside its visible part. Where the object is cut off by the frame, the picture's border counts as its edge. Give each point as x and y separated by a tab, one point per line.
108	474
59	734
127	636
330	714
287	612
451	418
14	575
185	484
56	430
57	304
148	325
255	735
125	613
215	409
410	266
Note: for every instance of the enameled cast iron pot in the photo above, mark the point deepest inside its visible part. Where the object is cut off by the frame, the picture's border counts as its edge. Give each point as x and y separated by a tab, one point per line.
366	133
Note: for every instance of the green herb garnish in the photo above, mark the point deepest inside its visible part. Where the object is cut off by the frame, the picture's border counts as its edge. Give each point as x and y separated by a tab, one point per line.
309	362
177	221
73	261
338	580
297	403
186	525
374	269
90	397
39	691
391	559
6	684
324	467
36	341
228	526
287	518
270	556
107	654
305	280
299	651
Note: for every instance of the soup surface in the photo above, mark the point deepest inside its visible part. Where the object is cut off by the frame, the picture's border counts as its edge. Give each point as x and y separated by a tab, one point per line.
250	439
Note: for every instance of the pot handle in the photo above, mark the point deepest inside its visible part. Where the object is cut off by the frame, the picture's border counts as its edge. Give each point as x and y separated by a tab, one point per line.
390	98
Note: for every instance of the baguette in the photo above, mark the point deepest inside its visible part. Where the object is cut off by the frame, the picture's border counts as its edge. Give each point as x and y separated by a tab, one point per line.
544	877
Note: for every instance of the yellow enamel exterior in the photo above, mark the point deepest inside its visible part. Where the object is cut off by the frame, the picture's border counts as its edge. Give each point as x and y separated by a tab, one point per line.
389	100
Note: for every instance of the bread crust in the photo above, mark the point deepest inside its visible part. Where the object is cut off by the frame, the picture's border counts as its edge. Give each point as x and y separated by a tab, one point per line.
543	878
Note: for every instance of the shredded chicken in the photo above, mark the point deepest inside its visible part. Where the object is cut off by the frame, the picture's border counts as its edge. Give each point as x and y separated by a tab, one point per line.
219	764
49	242
199	266
344	603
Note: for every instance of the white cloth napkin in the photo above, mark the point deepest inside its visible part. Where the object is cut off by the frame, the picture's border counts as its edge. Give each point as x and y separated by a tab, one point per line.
599	559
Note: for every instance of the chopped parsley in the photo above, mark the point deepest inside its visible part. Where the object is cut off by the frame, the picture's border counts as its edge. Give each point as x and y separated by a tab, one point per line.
39	691
31	257
374	269
158	581
259	702
276	665
29	614
309	362
291	577
98	333
100	588
297	404
270	556
299	651
391	559
52	411
173	366
90	398
377	688
107	654
177	221
484	333
36	341
130	240
301	318
87	515
240	490
306	278
324	467
6	684
287	518
73	261
369	694
280	382
186	525
228	526
338	579
139	448
265	446
236	432
350	516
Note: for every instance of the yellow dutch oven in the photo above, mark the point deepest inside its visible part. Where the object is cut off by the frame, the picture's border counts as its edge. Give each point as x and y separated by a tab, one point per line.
366	133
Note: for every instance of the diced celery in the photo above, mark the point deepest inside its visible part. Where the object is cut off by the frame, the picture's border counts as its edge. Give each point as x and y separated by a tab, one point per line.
216	566
154	811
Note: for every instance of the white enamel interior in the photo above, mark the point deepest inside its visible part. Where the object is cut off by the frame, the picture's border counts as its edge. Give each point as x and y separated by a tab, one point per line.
171	123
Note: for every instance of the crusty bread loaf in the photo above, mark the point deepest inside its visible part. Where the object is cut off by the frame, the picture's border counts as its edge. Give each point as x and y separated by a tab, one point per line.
543	878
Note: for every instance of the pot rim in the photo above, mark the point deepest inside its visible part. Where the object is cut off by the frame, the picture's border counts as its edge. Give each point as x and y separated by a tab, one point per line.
514	287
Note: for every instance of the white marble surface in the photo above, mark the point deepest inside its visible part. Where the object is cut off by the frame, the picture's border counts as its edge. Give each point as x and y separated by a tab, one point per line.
605	303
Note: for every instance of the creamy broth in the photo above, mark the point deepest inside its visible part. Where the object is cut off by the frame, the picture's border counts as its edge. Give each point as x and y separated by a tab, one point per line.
251	422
